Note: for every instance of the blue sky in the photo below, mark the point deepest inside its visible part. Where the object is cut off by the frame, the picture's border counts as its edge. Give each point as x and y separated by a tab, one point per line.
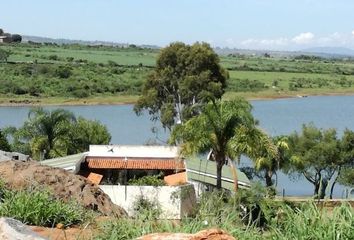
252	24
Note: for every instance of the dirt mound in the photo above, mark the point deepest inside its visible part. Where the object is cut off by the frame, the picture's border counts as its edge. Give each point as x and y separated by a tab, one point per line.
65	185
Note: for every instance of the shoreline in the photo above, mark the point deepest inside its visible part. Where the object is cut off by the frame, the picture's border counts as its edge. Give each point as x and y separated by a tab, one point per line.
100	101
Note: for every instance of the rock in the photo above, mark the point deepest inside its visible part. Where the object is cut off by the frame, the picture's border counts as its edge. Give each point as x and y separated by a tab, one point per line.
209	234
11	229
63	184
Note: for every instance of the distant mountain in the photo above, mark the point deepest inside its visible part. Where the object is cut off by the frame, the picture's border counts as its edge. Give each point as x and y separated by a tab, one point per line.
331	51
83	42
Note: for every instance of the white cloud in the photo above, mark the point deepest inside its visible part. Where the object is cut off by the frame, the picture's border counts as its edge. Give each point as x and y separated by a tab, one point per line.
298	42
303	38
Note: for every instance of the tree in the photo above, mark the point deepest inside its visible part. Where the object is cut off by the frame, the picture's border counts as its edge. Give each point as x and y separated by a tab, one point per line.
224	128
4	144
85	132
56	133
270	161
185	78
45	133
346	169
16	38
316	154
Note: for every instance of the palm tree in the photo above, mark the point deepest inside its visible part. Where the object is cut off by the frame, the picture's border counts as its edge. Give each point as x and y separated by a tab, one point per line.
223	128
47	131
270	162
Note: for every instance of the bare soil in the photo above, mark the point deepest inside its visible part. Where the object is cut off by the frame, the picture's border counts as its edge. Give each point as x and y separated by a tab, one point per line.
63	184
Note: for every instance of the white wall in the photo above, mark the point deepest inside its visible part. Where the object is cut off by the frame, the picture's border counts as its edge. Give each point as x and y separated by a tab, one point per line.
174	201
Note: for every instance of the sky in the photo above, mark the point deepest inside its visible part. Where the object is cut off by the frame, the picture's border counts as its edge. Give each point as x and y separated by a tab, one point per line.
246	24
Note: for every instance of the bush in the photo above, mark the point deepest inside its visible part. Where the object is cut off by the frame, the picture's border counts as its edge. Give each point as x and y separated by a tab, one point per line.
147	181
38	207
63	72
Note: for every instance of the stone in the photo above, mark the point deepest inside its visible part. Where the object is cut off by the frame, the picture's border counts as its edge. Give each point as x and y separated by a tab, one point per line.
11	229
208	234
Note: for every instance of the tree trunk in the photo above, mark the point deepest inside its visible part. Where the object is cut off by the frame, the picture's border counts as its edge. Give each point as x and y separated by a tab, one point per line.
268	178
322	189
334	182
219	165
332	188
234	173
317	187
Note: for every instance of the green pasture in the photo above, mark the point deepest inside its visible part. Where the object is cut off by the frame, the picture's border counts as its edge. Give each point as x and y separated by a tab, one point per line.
52	73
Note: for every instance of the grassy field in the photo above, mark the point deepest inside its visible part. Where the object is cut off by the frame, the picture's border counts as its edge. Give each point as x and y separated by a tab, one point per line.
76	74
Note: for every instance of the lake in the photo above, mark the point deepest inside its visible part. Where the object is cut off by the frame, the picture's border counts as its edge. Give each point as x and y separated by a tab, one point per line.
281	116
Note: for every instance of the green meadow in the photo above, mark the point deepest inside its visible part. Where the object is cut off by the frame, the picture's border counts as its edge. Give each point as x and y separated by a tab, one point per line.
77	74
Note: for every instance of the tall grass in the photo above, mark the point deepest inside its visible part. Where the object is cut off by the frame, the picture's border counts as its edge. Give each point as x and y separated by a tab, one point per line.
38	207
275	220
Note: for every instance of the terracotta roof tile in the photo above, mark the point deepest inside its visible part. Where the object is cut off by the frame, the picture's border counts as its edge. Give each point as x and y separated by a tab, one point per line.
134	163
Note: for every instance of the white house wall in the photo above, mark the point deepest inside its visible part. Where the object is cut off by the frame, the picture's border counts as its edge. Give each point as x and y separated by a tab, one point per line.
174	201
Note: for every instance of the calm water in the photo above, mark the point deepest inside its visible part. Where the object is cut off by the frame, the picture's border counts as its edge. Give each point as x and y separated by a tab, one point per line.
277	117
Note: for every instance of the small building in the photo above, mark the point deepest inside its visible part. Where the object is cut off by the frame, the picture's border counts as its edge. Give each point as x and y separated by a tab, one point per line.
112	166
6	38
118	163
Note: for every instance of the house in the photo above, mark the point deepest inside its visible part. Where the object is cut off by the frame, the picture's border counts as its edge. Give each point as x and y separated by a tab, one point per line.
112	166
6	38
118	164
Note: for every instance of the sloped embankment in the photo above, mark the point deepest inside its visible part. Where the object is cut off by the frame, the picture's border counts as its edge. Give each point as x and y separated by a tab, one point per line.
63	184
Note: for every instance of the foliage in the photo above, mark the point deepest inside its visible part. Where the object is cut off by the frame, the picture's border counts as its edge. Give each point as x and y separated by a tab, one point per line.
84	132
16	38
320	156
38	207
154	180
310	222
347	177
4	55
106	71
4	144
47	134
227	128
268	164
146	209
263	219
185	77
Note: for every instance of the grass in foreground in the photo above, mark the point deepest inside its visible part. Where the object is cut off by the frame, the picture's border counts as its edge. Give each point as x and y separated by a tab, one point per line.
274	221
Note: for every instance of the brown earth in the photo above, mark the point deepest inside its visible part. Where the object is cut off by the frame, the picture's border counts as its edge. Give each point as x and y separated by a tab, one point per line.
209	234
71	233
63	184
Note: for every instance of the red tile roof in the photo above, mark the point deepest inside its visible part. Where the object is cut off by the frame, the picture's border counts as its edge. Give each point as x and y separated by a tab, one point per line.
135	163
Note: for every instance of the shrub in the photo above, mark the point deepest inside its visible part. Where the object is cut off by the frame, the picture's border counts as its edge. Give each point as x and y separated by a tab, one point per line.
146	209
63	72
147	181
38	207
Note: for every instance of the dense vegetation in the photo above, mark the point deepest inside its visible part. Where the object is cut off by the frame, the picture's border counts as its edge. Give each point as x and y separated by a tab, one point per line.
48	134
41	71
